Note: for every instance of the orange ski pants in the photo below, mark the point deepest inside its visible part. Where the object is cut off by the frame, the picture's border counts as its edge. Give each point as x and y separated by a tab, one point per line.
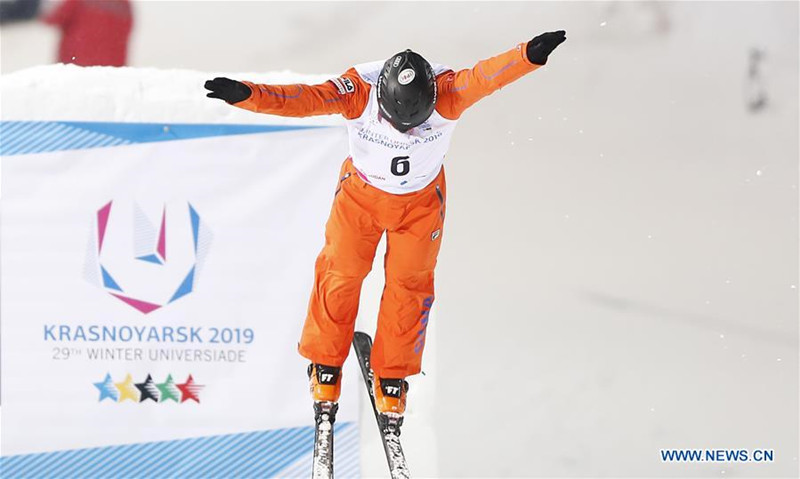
360	215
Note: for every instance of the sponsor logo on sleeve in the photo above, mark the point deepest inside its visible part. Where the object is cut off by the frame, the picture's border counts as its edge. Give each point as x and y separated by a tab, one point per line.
344	85
348	85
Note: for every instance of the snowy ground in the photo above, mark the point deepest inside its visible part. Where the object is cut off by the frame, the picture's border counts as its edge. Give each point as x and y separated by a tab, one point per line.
620	267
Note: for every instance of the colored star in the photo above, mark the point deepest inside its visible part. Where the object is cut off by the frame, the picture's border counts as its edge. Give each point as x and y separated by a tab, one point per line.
190	390
126	390
168	390
107	390
148	390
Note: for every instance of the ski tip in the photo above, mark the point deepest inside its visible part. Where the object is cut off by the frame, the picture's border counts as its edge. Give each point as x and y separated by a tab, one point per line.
362	336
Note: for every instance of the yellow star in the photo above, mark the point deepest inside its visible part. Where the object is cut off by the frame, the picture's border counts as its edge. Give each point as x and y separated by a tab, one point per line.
127	390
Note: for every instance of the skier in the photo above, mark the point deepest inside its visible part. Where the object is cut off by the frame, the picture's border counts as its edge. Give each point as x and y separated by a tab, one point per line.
400	115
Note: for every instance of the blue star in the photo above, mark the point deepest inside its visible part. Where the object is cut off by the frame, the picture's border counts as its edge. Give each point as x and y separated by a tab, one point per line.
107	389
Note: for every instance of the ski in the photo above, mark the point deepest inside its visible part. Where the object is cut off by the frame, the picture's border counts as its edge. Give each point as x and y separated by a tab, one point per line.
388	427
325	416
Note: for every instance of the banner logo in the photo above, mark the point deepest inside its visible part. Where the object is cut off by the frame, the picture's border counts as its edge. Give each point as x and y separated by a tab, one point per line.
169	390
159	266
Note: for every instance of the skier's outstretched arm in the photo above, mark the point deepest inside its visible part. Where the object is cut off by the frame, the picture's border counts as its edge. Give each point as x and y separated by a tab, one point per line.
460	90
346	95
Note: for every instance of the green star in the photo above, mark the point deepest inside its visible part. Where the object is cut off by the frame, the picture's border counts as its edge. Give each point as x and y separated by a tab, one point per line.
168	390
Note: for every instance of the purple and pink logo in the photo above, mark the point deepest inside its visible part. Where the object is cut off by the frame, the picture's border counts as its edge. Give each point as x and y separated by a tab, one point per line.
134	262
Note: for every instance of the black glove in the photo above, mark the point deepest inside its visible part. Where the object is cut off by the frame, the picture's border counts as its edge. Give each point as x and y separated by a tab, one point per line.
543	45
229	90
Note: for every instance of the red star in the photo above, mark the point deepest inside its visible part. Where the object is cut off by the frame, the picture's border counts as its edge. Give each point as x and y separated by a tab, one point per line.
190	390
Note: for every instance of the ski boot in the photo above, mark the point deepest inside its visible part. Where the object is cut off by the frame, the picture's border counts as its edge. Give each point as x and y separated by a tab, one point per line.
390	402
325	383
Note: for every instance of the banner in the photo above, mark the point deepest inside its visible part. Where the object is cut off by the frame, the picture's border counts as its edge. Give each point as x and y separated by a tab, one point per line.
155	278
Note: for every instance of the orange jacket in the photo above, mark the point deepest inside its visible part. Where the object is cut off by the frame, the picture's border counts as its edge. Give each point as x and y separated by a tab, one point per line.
457	90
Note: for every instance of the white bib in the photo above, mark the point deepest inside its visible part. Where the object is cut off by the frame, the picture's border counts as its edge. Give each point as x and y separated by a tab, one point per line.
392	161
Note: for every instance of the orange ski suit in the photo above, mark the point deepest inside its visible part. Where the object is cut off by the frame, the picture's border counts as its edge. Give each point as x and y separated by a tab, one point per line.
362	213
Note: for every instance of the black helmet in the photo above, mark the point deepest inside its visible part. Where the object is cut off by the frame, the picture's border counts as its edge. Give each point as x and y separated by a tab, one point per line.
406	90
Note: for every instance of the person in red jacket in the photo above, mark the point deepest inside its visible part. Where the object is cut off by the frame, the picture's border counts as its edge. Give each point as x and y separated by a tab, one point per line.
400	116
93	32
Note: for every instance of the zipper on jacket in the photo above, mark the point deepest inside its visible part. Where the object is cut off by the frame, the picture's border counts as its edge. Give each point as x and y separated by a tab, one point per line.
341	181
441	201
